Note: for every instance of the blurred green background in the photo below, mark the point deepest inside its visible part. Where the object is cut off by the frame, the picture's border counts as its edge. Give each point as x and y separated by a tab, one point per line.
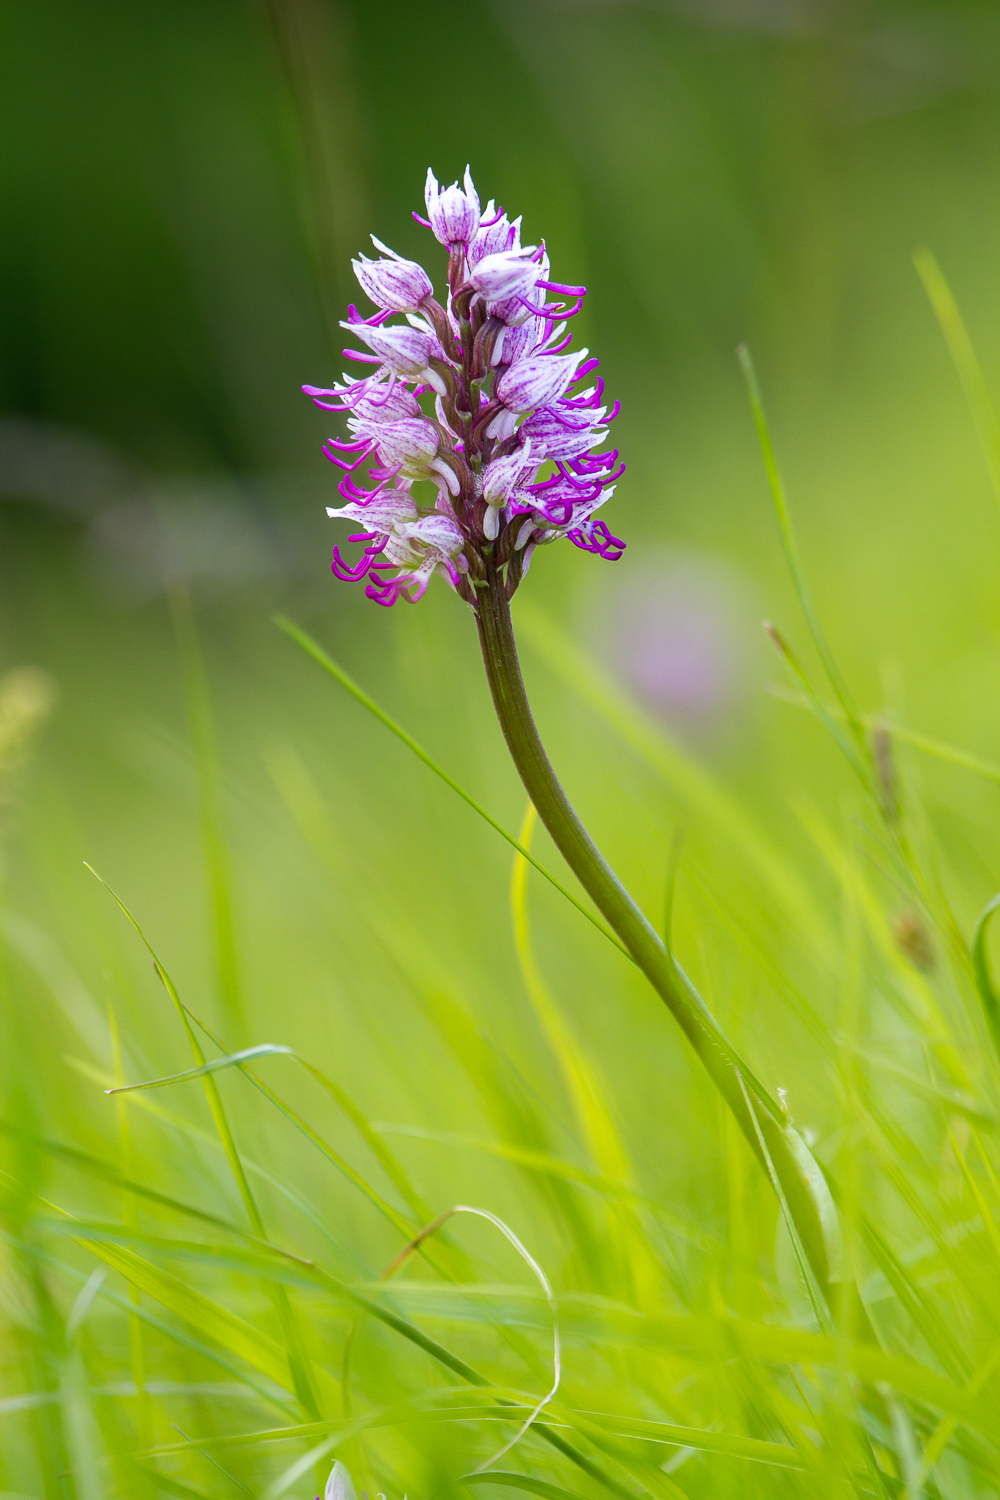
183	186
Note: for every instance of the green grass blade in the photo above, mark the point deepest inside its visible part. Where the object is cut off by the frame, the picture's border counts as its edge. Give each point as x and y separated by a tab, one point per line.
790	546
588	1094
208	1318
398	1221
304	1376
209	1139
178	1335
970	373
387	1160
263	1049
525	1482
940	749
981	970
202	729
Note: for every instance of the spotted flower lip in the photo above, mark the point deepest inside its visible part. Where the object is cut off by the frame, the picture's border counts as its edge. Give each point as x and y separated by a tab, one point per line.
475	435
453	214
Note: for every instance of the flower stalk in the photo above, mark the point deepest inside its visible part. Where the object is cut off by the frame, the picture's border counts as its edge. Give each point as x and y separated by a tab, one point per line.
780	1151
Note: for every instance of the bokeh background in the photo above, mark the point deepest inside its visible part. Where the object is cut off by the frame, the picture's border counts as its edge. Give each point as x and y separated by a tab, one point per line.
183	186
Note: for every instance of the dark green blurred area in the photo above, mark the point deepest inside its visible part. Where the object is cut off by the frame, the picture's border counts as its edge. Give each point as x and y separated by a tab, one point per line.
183	187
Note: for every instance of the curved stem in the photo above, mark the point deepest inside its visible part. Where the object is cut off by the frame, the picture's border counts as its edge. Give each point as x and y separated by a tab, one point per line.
784	1158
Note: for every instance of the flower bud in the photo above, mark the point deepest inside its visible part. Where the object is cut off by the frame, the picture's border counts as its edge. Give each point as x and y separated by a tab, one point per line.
509	273
537	380
454	214
397	285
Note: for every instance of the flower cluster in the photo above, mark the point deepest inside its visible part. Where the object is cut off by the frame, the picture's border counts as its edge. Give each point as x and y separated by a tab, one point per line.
482	398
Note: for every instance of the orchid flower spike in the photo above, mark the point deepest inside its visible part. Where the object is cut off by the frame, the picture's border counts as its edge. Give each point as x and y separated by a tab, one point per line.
476	397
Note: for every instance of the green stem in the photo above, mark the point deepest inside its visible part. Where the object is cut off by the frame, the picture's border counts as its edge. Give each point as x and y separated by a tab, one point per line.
758	1116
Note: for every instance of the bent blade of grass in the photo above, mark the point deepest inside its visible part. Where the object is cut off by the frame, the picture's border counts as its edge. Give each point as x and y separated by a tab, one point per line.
193	1132
237	1059
482	1213
540	1429
387	1160
319	655
263	1049
960	347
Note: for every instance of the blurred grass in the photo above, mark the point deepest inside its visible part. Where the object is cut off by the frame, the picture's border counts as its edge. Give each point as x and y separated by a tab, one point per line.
183	186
